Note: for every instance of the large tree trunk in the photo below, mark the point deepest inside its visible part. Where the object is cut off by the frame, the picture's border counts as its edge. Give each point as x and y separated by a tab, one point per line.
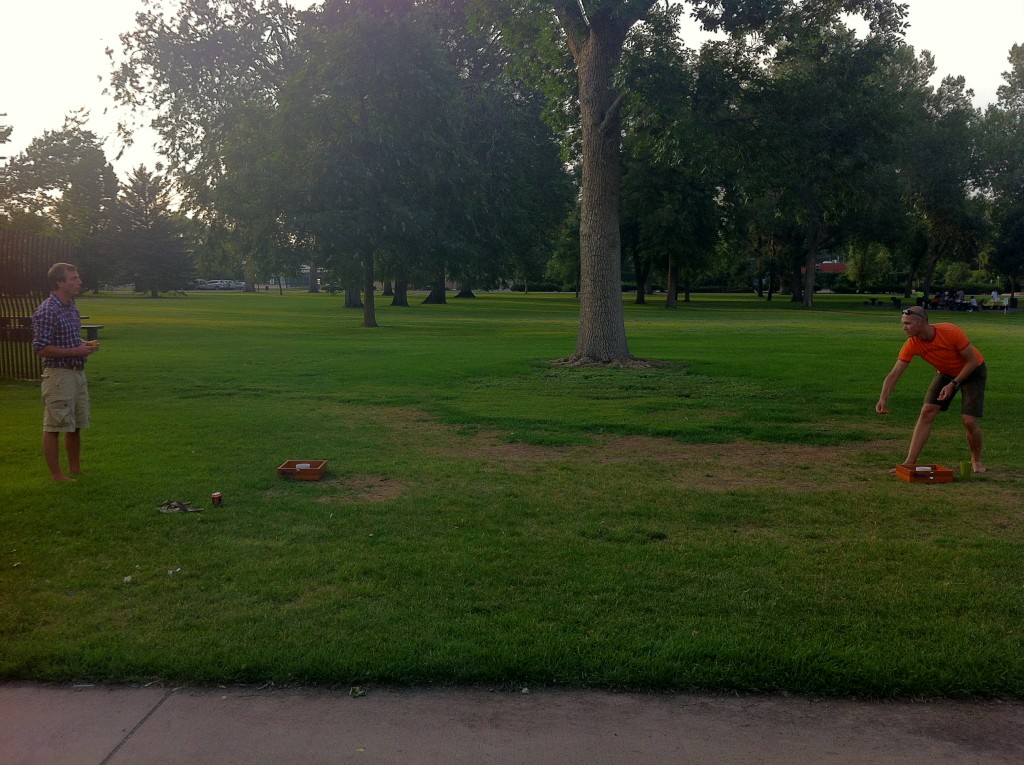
437	295
352	297
642	275
796	281
596	44
812	244
935	252
809	260
250	272
369	312
401	298
672	295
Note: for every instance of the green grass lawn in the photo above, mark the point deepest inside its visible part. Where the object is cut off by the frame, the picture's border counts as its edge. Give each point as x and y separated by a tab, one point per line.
722	520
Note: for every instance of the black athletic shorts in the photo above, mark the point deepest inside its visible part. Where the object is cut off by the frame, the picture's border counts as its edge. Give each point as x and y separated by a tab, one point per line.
972	392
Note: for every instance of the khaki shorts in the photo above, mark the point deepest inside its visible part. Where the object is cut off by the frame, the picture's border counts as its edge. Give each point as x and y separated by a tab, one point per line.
65	400
972	392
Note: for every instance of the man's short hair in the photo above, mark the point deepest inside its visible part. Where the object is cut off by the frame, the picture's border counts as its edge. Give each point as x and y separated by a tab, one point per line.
59	272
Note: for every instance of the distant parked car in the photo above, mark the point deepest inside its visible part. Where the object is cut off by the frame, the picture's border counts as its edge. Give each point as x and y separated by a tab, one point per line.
199	284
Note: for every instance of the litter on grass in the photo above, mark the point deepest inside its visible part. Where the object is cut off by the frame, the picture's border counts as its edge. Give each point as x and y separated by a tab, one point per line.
177	506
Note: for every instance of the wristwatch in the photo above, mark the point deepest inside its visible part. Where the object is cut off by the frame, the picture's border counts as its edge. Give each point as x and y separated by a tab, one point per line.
956	385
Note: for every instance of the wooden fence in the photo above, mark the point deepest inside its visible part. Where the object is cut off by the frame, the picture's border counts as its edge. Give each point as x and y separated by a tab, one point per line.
24	261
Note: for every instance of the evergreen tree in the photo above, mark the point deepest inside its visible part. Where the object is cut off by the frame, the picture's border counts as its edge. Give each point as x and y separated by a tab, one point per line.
153	236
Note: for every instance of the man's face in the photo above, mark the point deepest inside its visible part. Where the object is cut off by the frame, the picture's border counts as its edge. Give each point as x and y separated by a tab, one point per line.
72	284
911	321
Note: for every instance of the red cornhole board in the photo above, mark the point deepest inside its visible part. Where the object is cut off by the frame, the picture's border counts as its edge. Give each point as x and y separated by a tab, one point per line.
303	470
925	474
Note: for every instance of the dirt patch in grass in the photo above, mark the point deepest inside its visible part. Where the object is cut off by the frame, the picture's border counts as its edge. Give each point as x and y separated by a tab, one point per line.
737	466
362	488
489	445
710	467
745	465
734	466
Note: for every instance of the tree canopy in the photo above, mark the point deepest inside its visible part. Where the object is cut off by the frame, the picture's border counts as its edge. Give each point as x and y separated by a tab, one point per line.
432	143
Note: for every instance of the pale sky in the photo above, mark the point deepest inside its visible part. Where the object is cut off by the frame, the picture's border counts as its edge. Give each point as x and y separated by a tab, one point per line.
52	59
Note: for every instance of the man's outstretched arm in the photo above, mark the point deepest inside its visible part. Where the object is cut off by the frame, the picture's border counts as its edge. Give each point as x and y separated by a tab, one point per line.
889	385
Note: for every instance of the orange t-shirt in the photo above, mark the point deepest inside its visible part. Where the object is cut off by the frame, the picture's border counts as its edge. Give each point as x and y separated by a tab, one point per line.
943	352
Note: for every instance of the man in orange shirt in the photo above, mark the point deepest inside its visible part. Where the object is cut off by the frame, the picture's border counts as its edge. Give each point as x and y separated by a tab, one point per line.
959	366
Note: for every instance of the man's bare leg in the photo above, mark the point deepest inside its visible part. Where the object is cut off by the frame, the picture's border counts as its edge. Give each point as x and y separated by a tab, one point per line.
51	451
922	431
73	446
974	441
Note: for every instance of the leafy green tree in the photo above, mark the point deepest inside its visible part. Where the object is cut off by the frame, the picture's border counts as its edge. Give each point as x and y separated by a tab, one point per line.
397	143
827	124
370	130
815	110
670	216
1002	158
868	265
939	168
153	236
1007	256
563	267
193	69
62	184
519	192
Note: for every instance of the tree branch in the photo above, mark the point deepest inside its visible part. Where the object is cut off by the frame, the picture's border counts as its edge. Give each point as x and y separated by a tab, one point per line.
574	23
612	113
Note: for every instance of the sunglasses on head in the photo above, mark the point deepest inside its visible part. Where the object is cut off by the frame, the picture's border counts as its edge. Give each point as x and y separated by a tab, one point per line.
912	312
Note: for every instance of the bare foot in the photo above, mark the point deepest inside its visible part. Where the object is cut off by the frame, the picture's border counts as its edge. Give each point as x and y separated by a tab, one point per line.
62	478
979	468
892	471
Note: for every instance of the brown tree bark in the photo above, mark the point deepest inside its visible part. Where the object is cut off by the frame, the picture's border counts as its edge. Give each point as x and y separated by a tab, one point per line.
352	299
438	294
596	42
812	244
672	289
401	298
369	312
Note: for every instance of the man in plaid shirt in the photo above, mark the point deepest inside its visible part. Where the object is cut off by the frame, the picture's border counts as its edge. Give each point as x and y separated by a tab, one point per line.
56	337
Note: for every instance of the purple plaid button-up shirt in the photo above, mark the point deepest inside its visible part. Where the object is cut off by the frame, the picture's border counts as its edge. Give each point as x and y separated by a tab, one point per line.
54	323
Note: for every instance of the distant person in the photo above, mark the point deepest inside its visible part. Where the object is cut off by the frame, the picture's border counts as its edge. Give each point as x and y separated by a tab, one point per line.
959	367
56	338
996	299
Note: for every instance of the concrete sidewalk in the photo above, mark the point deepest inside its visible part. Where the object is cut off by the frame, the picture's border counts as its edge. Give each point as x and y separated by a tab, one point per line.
116	725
